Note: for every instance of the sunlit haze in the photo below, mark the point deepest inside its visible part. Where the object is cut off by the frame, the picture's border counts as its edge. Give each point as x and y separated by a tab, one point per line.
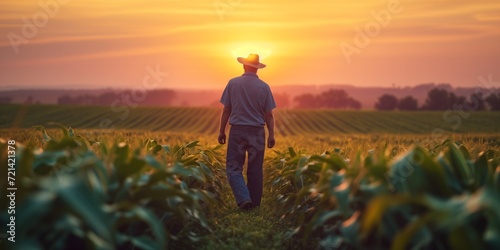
101	44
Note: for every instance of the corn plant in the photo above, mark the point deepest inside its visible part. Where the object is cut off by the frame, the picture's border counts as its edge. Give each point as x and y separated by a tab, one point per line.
415	200
76	193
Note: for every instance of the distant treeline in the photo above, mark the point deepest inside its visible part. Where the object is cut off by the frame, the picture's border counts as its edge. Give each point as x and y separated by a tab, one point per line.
330	99
5	99
440	99
126	97
437	99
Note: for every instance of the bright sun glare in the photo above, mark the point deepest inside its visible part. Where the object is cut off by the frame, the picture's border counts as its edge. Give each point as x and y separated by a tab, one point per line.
246	49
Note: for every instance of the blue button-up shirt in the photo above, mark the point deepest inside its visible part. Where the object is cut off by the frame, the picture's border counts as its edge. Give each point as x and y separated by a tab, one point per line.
249	98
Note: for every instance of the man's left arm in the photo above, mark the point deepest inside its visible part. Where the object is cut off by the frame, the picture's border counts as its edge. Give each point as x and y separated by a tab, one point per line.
268	108
270	128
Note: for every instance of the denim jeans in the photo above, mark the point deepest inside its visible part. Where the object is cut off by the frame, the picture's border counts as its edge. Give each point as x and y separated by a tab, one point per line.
242	140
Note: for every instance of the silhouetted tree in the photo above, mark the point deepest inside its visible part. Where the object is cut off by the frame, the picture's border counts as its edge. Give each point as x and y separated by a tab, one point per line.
493	101
387	102
456	100
408	103
65	100
437	99
307	101
477	101
5	100
355	104
161	97
107	98
440	99
334	98
78	100
86	99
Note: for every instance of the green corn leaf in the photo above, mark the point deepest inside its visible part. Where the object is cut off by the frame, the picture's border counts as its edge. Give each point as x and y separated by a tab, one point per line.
35	208
48	161
482	170
62	127
71	133
46	137
153	162
324	217
460	165
192	144
80	200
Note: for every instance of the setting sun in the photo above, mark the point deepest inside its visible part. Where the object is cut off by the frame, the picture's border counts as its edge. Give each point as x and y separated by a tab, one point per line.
246	49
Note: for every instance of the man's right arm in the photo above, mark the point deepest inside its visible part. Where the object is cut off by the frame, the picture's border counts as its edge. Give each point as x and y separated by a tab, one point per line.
226	112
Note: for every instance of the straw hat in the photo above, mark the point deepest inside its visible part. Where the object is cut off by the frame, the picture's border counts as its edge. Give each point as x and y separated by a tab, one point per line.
252	60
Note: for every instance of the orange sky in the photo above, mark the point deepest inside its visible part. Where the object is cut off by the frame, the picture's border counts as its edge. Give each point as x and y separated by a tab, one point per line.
92	44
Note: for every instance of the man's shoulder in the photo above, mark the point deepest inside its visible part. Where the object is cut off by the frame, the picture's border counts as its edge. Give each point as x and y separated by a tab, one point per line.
235	79
264	84
238	79
241	77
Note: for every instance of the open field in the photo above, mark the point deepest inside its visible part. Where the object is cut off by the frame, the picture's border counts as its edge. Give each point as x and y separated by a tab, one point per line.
358	182
288	122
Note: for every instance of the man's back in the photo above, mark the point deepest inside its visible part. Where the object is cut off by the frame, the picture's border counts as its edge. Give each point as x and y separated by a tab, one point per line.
249	98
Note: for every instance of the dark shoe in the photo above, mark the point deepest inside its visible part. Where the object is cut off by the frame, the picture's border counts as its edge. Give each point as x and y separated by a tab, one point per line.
246	205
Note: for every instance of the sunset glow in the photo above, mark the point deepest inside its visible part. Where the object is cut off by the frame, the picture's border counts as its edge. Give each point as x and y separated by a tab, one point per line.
94	44
246	49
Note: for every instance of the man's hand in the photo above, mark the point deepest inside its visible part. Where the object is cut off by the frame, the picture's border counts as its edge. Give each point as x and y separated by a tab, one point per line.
222	138
270	142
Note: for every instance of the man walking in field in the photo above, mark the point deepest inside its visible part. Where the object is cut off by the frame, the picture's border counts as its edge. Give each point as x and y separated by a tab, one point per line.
248	105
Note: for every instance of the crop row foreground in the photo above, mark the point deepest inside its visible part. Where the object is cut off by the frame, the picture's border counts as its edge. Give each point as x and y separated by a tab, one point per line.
75	193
